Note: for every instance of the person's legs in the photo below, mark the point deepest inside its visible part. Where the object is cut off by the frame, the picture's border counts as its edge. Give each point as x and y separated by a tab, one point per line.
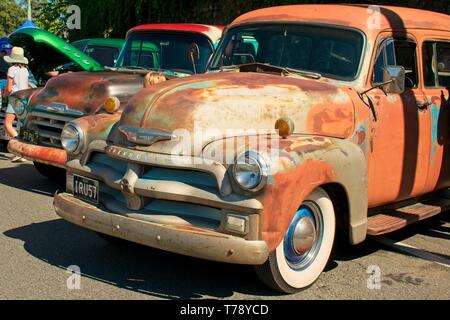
10	130
9	122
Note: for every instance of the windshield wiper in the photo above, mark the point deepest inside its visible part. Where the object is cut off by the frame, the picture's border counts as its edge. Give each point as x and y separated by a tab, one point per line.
221	68
134	68
303	73
232	67
285	71
175	71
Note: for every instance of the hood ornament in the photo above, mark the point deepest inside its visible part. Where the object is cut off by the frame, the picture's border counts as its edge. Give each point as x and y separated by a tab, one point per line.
56	107
144	136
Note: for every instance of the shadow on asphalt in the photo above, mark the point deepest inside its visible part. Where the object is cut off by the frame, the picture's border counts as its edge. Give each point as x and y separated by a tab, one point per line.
155	272
134	267
433	227
159	273
147	270
25	177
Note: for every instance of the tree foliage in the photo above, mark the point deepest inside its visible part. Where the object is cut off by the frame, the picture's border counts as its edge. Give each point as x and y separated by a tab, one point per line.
112	18
12	15
51	15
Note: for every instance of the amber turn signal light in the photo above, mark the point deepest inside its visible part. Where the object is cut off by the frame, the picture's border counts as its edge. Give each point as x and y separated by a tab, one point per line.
112	104
284	127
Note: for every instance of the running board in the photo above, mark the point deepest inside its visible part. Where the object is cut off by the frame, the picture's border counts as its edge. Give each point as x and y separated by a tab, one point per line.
390	219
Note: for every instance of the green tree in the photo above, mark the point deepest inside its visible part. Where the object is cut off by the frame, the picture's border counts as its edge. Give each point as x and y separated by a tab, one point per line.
51	15
12	15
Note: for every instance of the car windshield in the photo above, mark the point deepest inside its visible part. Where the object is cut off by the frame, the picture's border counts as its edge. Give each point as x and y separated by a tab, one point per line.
165	51
328	51
106	56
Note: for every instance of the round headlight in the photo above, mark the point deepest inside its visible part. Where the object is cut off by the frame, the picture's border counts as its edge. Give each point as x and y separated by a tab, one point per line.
250	171
72	138
19	107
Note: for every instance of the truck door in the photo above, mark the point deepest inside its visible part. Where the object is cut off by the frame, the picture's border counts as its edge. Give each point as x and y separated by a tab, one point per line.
436	86
399	156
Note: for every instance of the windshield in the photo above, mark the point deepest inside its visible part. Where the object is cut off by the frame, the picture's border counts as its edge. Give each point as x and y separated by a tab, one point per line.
329	51
165	51
106	56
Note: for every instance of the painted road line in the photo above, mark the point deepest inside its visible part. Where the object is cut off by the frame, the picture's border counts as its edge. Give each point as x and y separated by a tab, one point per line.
413	251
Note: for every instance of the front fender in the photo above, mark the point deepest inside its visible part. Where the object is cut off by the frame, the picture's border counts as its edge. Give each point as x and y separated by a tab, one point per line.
22	96
303	164
96	127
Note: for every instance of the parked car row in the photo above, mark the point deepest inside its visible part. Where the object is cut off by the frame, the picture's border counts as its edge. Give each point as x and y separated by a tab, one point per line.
106	91
301	126
51	56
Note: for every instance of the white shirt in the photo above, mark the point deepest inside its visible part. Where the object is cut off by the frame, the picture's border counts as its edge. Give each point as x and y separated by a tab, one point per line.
19	75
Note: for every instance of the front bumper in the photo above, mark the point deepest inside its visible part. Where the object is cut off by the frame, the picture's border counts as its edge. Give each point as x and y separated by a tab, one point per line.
51	156
181	239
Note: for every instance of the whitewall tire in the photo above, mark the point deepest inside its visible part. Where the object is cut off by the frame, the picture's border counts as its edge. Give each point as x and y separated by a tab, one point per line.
306	247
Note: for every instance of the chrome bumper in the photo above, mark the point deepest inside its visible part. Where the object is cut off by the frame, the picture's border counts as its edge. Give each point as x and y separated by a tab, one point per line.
47	155
181	239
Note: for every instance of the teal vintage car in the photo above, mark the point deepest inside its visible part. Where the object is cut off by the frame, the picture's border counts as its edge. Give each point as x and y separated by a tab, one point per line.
103	50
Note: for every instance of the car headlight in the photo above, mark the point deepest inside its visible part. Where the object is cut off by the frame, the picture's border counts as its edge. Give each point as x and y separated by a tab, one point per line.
19	106
72	138
250	171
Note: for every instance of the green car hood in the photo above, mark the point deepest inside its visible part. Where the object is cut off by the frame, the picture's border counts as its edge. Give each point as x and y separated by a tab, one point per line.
48	51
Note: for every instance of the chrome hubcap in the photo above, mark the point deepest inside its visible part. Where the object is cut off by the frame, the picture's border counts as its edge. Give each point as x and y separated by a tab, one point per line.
304	237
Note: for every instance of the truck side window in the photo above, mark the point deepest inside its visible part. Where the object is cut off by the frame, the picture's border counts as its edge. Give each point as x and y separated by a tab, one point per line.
436	64
397	52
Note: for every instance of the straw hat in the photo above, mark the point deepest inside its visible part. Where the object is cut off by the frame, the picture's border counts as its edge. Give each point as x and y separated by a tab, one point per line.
16	56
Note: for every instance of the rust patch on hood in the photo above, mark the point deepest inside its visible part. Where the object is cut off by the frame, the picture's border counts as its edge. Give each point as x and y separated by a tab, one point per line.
232	101
86	91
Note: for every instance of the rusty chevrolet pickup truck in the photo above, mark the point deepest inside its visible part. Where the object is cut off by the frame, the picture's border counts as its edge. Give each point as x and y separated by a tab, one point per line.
309	125
176	50
48	52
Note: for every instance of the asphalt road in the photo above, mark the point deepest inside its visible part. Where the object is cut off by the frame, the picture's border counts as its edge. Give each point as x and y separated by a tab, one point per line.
36	248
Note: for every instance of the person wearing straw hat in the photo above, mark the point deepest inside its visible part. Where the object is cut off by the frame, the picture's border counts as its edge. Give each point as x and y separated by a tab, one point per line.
17	80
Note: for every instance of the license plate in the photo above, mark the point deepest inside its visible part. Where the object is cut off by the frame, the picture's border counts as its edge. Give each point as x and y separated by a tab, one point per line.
85	189
30	136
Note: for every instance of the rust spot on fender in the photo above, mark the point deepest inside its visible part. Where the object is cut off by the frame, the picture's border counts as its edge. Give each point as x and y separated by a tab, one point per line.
282	199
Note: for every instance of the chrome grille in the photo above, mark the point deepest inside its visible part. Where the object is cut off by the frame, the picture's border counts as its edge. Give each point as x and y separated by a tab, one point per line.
202	180
111	171
195	214
49	126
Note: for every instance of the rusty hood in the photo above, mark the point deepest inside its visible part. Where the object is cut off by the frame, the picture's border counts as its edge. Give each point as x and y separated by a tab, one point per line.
225	103
86	91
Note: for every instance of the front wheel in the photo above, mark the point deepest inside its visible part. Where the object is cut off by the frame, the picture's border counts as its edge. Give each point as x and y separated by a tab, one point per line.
112	240
50	172
305	249
3	145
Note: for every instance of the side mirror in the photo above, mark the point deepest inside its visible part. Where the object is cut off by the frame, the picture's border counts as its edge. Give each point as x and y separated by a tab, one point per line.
394	79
